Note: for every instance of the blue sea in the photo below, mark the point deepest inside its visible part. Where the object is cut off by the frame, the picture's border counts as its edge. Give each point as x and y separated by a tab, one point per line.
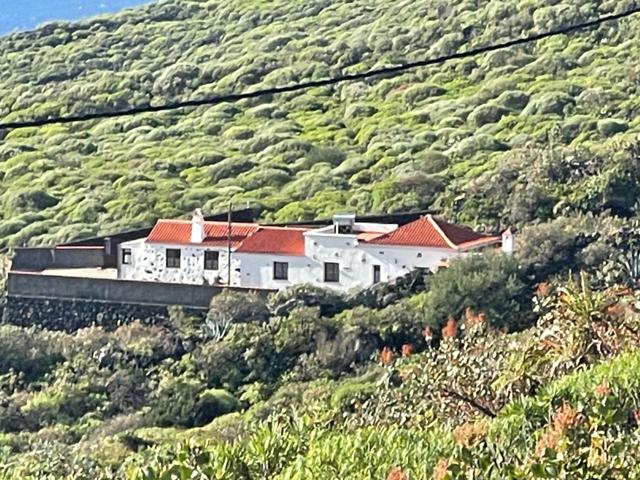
19	15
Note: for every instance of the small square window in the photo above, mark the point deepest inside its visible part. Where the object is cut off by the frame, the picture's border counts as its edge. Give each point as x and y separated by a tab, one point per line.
173	258
280	271
211	260
126	256
331	272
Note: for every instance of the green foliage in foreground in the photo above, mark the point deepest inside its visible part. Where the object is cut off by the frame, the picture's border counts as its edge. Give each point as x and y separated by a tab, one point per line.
582	426
560	396
513	136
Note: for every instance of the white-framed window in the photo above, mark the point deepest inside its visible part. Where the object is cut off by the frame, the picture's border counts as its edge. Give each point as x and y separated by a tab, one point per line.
126	256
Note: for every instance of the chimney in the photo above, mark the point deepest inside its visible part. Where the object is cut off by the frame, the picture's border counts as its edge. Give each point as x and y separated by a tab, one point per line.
197	226
507	241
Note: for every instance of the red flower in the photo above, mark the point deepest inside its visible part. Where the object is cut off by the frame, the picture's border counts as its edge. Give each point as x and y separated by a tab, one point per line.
441	469
450	330
601	390
542	289
386	356
396	474
407	350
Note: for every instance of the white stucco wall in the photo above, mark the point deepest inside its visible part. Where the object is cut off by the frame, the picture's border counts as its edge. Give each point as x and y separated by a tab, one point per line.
148	263
356	261
256	270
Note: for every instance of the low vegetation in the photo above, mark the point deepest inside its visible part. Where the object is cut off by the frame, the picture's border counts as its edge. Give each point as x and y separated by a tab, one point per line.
529	380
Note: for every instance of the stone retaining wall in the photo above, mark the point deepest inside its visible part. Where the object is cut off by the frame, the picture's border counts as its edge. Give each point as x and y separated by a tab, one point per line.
71	315
36	285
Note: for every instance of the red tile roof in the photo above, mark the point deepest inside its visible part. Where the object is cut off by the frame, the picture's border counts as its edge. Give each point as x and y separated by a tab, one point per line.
429	231
178	232
279	241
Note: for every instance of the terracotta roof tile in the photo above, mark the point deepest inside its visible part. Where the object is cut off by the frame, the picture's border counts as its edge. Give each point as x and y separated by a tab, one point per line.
428	231
178	232
279	241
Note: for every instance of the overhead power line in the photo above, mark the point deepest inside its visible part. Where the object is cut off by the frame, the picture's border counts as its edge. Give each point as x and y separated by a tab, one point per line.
387	71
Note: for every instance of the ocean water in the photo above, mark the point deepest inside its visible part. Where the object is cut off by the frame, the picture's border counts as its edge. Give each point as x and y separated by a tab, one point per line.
19	15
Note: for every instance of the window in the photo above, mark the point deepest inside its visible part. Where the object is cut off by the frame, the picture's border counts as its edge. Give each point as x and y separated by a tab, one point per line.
280	271
376	274
211	260
173	258
331	272
126	256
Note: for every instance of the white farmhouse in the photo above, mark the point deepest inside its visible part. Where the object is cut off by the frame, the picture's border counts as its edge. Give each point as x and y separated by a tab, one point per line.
345	255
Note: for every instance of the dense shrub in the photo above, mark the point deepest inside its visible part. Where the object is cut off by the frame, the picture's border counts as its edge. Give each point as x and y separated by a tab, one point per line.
486	114
31	352
609	127
185	402
491	283
239	307
328	301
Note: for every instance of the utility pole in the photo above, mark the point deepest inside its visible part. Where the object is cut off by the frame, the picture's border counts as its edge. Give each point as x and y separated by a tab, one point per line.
229	246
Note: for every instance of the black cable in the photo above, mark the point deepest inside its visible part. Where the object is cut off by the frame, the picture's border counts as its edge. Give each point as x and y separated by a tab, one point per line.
234	97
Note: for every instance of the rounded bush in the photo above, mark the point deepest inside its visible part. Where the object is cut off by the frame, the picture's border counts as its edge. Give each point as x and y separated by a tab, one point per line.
548	103
610	127
513	99
485	114
418	93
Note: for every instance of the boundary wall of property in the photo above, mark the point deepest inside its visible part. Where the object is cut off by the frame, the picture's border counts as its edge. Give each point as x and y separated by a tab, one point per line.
69	303
38	285
34	259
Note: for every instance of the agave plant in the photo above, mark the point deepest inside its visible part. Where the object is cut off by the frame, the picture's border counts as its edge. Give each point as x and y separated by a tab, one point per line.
216	327
624	266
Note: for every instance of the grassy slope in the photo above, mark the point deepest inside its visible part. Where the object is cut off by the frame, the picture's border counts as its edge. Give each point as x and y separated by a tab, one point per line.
391	144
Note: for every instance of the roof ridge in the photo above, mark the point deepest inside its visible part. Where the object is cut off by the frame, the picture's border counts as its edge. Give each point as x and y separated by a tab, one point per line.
220	222
438	228
275	227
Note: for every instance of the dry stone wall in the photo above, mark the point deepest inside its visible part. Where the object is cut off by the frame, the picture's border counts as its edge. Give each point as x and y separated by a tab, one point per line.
71	315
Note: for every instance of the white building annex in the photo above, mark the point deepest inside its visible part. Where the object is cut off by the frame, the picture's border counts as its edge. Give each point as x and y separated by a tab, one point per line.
346	255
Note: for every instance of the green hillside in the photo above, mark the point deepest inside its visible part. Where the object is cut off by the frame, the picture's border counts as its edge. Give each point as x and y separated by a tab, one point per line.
511	135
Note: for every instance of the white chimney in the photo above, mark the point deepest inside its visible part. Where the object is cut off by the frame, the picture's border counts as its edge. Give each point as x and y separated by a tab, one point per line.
508	241
197	226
